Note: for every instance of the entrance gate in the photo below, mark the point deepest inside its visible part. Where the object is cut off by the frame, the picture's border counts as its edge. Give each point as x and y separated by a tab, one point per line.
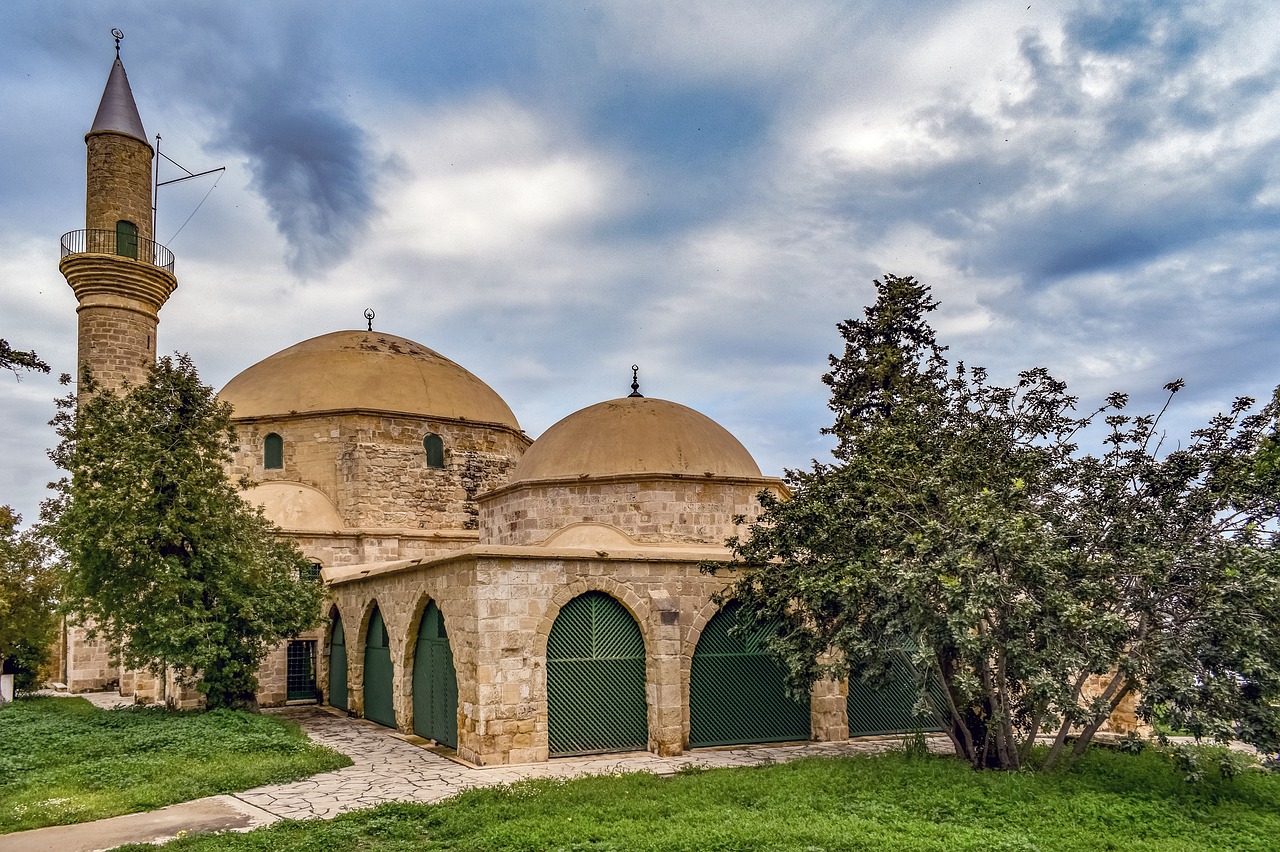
435	682
887	709
737	693
337	665
596	679
300	670
378	706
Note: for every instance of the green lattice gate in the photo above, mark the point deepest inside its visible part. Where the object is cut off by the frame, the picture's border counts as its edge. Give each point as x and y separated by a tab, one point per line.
887	708
435	682
378	705
737	693
337	665
300	670
596	678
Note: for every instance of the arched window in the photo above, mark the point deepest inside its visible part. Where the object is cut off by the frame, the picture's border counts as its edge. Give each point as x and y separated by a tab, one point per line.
273	452
312	571
434	445
127	239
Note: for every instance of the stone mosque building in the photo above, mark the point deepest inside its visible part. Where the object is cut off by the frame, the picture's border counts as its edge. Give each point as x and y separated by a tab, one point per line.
508	598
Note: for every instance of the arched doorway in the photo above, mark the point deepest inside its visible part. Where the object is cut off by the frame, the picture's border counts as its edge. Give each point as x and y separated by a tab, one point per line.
435	682
596	679
337	664
737	692
378	706
888	708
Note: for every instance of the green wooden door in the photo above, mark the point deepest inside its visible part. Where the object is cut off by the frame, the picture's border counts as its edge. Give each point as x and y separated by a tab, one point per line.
127	239
378	705
435	682
887	708
596	679
337	665
738	693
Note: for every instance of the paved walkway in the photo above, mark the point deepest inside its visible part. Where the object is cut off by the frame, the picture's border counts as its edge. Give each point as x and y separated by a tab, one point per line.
386	767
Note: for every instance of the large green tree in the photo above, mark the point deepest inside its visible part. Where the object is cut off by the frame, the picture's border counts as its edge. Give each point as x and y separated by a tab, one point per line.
1034	587
28	599
164	557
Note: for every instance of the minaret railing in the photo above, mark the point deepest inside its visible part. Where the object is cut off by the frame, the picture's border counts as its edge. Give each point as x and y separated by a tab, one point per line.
106	241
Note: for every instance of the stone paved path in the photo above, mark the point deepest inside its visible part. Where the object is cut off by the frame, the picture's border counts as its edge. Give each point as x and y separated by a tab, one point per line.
388	768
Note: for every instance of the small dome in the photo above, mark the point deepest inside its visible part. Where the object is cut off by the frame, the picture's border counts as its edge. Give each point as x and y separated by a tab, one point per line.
635	435
364	370
294	506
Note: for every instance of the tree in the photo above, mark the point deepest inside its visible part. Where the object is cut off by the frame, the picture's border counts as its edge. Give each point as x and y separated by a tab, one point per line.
165	560
13	360
28	600
960	526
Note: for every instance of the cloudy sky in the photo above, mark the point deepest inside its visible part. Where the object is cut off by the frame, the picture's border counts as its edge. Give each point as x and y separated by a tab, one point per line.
547	192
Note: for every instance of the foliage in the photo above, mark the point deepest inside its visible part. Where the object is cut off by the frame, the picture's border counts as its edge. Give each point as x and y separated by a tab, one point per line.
886	802
28	600
1037	586
164	557
66	761
13	360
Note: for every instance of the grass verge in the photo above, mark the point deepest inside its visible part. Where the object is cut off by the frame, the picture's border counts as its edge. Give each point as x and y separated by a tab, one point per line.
62	760
1135	803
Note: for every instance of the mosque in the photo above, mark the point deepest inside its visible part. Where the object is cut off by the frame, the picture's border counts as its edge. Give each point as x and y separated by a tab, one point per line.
508	598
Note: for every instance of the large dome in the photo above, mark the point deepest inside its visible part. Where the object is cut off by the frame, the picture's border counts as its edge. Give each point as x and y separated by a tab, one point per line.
635	435
365	370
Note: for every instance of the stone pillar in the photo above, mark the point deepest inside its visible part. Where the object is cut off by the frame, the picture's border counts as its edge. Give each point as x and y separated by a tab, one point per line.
829	710
665	690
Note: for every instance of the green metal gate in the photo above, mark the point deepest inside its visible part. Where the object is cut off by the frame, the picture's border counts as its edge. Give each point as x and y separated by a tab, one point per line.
887	708
435	682
737	692
596	678
377	673
337	665
300	670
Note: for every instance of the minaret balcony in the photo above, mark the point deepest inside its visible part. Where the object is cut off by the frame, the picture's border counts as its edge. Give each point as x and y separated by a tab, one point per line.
120	243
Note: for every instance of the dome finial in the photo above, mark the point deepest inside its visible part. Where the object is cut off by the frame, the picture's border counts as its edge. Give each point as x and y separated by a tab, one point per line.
369	315
635	382
117	35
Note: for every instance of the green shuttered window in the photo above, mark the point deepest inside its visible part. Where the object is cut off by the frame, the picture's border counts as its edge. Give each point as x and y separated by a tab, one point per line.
273	452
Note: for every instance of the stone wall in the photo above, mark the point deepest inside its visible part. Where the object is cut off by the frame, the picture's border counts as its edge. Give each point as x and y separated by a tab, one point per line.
374	469
89	667
118	184
650	510
118	345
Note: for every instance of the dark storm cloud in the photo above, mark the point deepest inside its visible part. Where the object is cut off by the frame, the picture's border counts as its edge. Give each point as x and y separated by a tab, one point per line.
267	81
310	164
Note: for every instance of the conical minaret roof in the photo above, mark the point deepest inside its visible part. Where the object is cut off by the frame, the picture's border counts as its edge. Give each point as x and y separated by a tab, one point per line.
117	111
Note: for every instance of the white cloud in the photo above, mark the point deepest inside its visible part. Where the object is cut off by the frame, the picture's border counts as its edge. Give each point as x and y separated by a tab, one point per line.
487	176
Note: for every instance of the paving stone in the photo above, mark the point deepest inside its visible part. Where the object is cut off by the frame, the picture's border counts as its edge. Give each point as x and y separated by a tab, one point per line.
387	768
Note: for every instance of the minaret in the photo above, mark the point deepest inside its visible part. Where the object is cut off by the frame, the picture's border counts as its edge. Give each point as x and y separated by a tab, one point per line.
120	276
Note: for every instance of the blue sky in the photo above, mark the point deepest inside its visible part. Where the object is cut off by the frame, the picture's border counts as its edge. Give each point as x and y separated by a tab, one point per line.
548	192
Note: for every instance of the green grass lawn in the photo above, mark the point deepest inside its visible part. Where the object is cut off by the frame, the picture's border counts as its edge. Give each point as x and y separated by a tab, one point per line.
889	802
62	760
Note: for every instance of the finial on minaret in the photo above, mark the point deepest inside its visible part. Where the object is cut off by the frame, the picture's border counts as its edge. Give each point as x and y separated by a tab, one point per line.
117	35
635	383
369	315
